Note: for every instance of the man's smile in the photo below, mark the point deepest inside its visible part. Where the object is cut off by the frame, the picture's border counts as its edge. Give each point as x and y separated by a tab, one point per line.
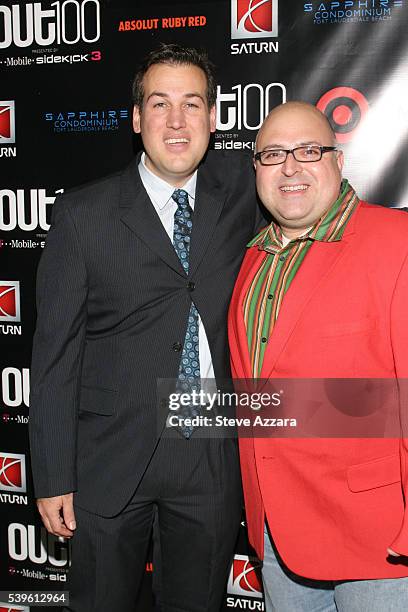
300	187
172	141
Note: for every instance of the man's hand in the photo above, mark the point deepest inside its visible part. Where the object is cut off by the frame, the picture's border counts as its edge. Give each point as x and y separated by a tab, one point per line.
57	514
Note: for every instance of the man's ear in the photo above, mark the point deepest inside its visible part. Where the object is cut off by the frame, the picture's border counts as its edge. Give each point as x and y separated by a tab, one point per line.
213	119
340	160
136	119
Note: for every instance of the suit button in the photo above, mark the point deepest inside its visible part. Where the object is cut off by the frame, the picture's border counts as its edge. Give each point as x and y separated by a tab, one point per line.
190	286
177	347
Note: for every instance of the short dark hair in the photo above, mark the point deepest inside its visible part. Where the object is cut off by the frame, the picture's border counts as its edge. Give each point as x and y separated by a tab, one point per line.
177	55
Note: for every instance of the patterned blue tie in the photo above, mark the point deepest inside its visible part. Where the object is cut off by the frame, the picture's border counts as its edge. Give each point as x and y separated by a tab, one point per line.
189	370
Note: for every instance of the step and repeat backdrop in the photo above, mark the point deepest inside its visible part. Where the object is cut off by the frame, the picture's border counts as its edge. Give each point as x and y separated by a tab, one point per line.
65	118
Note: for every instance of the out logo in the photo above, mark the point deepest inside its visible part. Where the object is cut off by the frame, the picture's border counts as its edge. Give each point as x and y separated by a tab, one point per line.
345	108
31	543
66	22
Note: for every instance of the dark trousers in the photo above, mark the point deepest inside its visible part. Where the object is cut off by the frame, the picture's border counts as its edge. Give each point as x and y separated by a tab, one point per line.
195	486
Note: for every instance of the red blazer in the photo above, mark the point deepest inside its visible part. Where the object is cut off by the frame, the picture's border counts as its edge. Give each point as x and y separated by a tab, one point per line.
333	505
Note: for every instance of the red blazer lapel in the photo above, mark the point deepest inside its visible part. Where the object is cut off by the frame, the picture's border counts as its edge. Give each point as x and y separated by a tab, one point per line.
240	362
318	264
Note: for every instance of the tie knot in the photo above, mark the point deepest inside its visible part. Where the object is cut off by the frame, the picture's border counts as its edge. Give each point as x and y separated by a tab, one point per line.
180	196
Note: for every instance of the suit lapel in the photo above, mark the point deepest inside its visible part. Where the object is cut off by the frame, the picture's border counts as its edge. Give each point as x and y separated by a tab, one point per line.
141	218
237	330
210	199
318	264
139	215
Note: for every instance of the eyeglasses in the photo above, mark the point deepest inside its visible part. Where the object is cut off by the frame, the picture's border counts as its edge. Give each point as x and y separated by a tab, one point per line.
309	153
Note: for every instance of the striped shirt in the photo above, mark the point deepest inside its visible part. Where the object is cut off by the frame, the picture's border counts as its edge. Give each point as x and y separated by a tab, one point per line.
278	268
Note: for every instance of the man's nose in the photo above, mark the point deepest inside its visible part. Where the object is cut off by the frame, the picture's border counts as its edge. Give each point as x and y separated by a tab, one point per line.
290	166
175	118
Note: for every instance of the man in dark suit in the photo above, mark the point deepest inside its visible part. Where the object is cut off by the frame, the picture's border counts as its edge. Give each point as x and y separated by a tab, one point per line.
120	294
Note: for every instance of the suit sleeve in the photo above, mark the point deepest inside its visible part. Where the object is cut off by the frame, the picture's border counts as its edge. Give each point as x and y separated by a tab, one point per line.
57	357
399	340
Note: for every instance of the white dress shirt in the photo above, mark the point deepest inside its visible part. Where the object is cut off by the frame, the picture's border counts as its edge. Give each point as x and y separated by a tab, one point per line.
160	194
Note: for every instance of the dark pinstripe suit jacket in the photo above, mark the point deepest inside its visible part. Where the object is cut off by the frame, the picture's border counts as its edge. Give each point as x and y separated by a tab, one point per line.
113	302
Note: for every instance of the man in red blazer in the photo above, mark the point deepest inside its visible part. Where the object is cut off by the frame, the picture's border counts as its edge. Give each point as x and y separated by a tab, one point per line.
323	294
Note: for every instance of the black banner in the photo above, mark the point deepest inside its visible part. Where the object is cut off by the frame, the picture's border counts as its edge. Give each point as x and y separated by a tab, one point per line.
65	119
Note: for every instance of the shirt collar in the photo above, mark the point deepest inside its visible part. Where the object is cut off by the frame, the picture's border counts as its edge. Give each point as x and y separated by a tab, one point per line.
329	228
162	190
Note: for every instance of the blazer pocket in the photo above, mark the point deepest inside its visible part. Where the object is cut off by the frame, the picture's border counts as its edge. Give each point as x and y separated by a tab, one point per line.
374	474
345	328
97	400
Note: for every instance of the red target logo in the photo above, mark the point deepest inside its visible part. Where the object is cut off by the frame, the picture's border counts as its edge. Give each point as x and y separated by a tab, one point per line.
345	108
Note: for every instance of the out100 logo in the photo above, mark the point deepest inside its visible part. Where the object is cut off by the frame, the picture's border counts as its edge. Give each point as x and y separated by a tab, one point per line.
63	22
